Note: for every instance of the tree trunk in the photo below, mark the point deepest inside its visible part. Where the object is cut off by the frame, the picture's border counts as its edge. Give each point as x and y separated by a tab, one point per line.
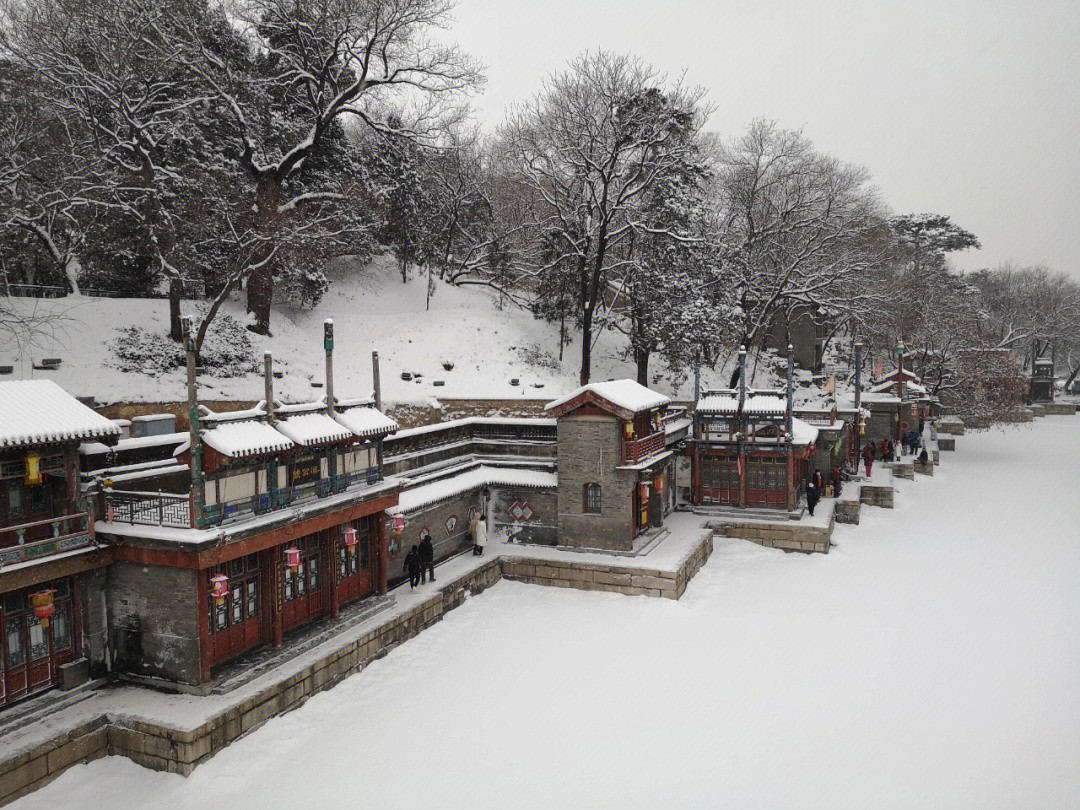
641	357
261	282
586	345
176	330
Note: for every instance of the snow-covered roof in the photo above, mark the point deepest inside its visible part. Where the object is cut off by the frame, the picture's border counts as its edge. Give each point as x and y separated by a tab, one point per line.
160	440
803	432
240	439
313	428
482	476
757	403
628	395
40	412
889	385
365	421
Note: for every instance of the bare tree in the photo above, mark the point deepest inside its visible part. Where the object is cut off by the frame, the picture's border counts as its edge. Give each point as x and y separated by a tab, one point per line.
587	148
309	67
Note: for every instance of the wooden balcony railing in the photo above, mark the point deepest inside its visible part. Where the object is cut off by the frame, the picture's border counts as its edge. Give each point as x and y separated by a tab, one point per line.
168	509
25	542
635	450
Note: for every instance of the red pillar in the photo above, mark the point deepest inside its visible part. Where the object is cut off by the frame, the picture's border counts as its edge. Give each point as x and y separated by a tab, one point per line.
695	470
332	570
382	554
740	467
277	569
202	591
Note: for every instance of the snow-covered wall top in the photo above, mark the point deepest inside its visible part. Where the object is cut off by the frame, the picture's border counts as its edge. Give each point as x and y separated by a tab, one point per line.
40	412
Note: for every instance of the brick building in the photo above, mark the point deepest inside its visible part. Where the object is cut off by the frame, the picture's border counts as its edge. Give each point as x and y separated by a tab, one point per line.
615	466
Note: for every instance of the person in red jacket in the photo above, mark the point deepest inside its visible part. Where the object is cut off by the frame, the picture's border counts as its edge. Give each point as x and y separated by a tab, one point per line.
836	482
868	458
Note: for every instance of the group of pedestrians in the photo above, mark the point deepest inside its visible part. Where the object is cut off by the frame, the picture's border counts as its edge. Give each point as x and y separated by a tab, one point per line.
815	488
911	444
420	561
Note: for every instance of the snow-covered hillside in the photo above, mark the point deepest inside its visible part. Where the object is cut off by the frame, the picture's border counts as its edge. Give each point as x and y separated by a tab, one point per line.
372	311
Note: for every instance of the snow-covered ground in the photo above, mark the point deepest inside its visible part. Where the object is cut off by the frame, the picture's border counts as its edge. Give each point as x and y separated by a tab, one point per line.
930	660
372	311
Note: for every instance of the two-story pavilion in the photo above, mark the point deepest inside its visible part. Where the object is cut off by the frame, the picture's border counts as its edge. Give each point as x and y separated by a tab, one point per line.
748	449
49	557
615	469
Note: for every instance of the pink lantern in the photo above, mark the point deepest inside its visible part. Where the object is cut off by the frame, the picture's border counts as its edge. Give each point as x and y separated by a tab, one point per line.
914	411
398	522
350	537
292	558
644	491
219	587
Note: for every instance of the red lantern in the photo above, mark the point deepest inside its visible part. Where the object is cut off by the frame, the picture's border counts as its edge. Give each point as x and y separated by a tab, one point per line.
659	484
219	588
43	605
914	411
644	490
350	537
292	558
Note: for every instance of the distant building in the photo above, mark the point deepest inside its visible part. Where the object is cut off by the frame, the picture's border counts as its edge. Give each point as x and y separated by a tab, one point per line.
1042	380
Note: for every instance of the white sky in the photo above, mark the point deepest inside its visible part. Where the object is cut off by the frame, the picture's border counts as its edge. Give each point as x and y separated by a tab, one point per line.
970	109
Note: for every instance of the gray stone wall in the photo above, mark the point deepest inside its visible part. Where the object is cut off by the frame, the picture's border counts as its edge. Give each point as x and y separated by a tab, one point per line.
590	447
434	518
541	529
154	627
95	641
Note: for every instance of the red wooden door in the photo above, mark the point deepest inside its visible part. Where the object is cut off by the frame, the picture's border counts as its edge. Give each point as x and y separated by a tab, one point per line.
766	482
354	574
30	652
719	480
236	622
303	592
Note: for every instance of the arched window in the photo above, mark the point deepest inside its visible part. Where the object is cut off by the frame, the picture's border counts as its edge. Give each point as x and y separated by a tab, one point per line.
592	499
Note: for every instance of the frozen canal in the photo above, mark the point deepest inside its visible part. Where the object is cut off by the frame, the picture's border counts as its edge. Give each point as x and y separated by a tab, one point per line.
931	660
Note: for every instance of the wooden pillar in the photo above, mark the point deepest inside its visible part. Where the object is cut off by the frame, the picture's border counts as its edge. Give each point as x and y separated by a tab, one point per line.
277	571
382	559
202	595
741	468
695	477
333	538
77	617
791	502
71	483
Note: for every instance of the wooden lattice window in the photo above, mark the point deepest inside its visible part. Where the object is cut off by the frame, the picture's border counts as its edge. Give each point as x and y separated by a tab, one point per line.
592	499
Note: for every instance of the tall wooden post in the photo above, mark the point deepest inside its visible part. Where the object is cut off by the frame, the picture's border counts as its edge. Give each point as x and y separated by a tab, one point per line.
740	424
195	501
789	434
333	539
382	556
376	381
328	346
858	402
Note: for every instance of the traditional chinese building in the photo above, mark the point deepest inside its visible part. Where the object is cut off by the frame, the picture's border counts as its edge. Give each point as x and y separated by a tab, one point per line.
615	466
50	560
282	523
899	397
748	448
1042	380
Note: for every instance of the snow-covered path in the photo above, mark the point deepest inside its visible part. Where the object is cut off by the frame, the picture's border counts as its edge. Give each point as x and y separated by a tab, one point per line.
931	660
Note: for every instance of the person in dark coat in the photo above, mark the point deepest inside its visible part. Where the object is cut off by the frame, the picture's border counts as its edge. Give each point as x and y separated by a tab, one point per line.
819	482
413	567
923	457
427	557
837	482
812	495
868	458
